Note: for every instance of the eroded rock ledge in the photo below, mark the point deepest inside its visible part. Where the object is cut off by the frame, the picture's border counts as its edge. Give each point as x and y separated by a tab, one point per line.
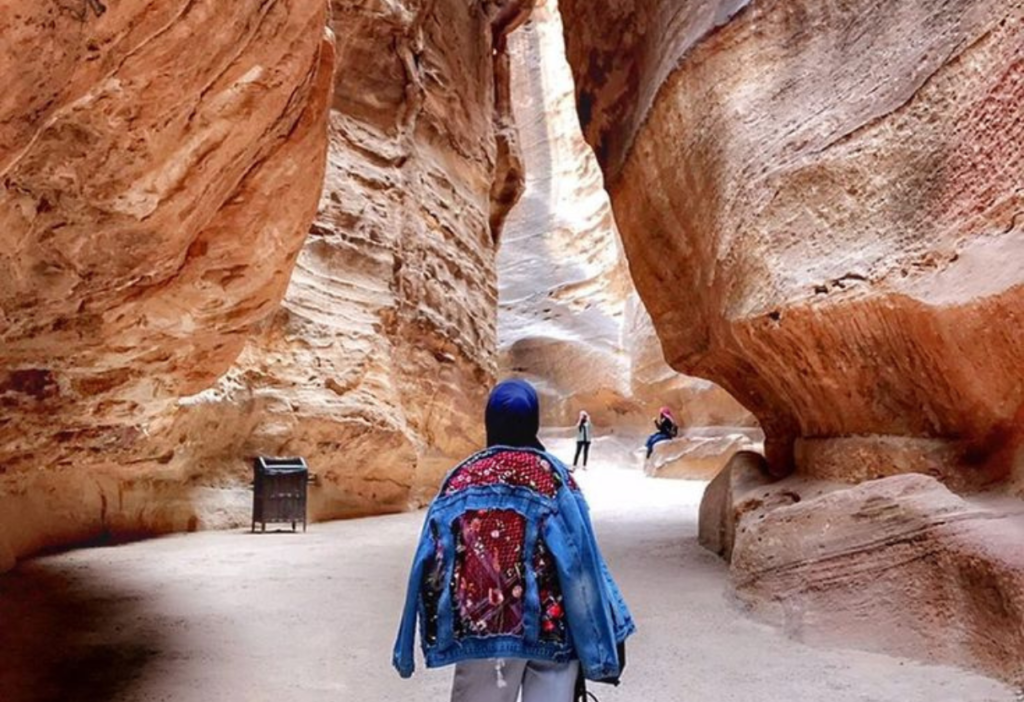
900	564
821	208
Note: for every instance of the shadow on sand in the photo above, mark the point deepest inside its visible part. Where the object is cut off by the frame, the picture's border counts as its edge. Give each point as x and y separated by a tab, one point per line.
67	635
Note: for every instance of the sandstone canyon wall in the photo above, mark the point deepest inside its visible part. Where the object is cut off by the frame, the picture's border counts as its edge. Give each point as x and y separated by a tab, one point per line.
834	200
821	208
569	318
161	170
377	365
149	218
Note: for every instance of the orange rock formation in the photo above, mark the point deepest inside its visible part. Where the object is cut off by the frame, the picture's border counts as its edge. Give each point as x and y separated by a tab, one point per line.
378	363
149	220
833	200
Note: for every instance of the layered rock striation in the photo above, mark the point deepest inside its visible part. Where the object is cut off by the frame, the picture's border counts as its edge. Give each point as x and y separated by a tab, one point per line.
377	365
821	209
900	564
833	202
166	318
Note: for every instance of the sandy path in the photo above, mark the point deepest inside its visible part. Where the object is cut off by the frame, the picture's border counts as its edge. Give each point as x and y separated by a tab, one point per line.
288	618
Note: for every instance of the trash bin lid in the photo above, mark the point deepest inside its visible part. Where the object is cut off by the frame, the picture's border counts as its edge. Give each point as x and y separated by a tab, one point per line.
269	465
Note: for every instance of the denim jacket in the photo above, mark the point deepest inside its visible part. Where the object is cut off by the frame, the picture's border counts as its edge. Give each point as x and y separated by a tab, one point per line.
508	567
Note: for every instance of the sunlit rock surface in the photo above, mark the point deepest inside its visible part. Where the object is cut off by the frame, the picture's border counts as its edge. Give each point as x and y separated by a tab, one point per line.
569	318
821	209
377	366
160	166
700	454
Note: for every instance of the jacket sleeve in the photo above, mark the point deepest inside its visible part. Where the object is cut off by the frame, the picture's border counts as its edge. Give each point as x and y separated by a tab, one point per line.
402	657
621	618
587	606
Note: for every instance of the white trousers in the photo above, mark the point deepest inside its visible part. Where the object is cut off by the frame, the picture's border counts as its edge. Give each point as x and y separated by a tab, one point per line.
540	681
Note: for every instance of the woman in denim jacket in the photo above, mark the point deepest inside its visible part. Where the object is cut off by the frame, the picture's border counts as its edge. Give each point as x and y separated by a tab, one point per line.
508	582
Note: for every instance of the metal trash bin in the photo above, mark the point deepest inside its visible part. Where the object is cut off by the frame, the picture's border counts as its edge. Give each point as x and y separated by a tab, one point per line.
279	491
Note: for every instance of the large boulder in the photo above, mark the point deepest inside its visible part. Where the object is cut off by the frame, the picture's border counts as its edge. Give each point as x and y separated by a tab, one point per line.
732	493
899	564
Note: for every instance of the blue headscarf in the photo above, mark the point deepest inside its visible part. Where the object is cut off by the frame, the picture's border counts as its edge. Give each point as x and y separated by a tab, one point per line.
513	415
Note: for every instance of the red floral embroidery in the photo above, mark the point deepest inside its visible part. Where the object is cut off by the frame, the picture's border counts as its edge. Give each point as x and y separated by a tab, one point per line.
519	468
489	581
552	614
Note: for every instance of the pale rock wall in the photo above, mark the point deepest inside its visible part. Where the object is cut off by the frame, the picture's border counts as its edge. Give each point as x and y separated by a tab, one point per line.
821	207
160	165
377	366
563	283
569	318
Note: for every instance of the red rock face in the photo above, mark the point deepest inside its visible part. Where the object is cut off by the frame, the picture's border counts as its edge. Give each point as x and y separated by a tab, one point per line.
375	365
821	208
149	218
157	193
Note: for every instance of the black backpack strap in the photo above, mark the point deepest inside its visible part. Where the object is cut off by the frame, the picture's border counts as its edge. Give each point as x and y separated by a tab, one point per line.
582	694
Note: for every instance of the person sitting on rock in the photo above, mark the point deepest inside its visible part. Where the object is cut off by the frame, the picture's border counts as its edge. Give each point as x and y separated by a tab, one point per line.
582	439
667	429
508	582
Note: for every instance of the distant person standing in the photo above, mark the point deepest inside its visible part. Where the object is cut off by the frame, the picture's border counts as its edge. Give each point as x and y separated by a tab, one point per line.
667	429
583	433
